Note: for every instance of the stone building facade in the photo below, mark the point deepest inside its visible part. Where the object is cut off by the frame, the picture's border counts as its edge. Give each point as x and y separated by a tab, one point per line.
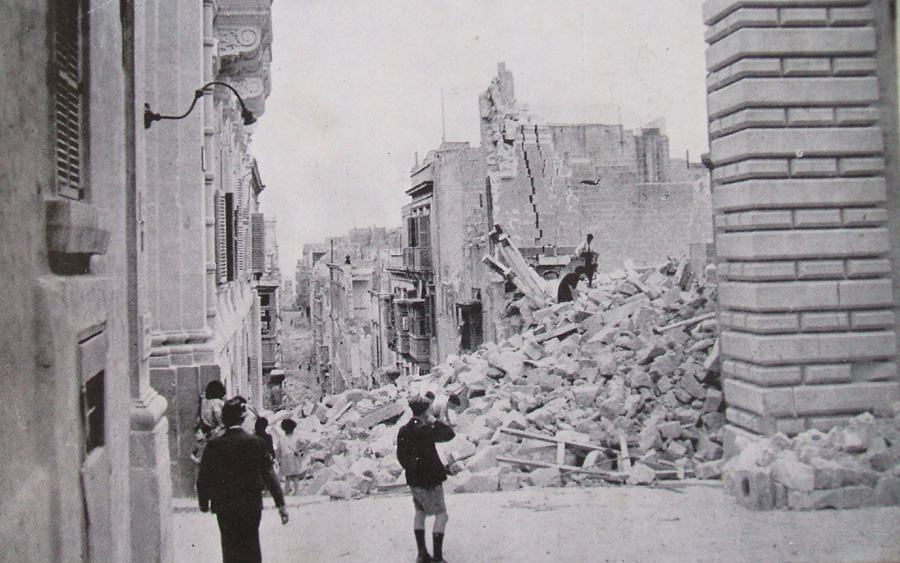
802	100
438	288
200	210
86	475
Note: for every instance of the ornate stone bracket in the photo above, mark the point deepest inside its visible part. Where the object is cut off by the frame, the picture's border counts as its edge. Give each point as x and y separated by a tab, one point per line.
243	30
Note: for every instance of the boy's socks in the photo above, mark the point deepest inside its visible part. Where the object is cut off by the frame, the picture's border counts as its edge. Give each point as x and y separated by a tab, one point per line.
420	540
438	546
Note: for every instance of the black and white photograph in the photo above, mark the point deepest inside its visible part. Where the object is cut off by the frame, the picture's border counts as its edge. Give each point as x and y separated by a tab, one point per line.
449	281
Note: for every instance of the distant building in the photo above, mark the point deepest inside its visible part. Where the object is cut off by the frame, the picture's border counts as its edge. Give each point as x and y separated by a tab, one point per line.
348	313
269	289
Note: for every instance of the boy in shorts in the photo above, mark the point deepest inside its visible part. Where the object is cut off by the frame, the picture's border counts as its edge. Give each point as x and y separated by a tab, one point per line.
425	473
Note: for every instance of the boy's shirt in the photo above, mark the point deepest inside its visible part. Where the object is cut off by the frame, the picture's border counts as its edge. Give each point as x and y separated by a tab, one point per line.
417	454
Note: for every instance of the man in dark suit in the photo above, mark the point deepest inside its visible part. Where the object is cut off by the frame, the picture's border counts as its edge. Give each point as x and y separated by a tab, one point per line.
233	471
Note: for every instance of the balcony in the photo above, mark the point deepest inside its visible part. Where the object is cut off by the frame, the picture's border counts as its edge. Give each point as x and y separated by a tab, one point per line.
417	259
403	344
420	348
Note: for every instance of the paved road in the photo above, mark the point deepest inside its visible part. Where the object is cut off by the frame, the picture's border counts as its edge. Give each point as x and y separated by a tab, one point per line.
679	523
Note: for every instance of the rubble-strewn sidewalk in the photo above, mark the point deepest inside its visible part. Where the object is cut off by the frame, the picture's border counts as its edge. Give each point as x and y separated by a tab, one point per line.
619	385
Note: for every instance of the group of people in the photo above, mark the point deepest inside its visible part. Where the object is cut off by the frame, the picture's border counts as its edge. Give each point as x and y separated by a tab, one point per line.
236	466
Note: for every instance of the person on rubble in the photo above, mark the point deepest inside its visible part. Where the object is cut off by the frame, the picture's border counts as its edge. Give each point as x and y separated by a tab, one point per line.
233	471
588	257
566	290
425	474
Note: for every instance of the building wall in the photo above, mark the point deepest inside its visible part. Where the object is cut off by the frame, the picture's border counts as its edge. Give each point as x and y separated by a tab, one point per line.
458	209
803	139
551	184
204	316
61	326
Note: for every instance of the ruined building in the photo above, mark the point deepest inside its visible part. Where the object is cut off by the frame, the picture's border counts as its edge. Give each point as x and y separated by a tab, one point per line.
552	184
547	186
803	126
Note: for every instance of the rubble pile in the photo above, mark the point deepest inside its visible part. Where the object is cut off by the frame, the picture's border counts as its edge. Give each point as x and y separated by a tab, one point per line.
620	385
849	467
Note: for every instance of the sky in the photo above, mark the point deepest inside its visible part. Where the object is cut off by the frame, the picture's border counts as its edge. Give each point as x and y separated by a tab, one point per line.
357	89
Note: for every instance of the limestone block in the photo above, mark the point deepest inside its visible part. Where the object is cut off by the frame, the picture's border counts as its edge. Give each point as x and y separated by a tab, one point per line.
647	354
544	477
515	420
650	438
640	474
339	490
638	379
510	481
709	469
887	491
585	394
713	400
459	448
486	457
843	498
795	475
690	384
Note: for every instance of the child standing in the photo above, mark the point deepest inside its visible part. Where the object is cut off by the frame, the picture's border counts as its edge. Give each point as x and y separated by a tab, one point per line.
425	474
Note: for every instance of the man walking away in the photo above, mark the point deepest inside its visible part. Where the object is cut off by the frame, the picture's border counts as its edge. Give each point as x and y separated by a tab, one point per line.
233	471
425	474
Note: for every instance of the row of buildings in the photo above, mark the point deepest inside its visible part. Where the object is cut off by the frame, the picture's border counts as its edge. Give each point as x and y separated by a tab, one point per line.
427	294
133	260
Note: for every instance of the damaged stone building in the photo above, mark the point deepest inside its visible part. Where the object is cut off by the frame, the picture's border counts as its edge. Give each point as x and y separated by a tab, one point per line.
547	186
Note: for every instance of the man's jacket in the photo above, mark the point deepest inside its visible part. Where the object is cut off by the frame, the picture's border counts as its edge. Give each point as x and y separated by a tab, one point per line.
417	454
233	471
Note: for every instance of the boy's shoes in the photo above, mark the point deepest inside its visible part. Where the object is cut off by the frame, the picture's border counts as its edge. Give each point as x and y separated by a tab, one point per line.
423	558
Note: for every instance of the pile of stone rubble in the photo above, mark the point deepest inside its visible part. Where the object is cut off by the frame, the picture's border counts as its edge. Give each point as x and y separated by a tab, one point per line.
620	385
849	467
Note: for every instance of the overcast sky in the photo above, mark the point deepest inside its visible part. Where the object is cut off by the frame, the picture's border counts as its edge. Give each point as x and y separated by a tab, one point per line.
356	91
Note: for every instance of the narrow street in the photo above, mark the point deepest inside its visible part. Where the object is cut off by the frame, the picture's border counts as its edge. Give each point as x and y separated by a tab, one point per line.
298	356
684	522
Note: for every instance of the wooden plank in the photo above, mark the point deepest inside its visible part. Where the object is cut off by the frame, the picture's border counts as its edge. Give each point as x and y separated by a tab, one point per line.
560	453
623	449
534	436
557	332
561	467
687	322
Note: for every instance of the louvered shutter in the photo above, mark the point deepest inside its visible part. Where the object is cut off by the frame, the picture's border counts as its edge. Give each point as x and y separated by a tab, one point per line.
254	376
221	242
258	225
239	236
68	103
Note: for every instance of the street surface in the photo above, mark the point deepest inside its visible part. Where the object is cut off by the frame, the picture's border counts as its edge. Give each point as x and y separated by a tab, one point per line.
680	522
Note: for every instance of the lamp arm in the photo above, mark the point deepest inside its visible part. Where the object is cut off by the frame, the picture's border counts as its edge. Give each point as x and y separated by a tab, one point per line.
151	116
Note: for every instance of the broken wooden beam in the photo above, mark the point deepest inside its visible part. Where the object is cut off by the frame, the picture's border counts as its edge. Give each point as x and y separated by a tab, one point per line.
533	436
687	322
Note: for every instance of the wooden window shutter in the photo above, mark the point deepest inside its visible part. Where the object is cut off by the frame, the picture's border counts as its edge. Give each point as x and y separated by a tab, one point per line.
69	97
239	236
258	224
254	376
221	242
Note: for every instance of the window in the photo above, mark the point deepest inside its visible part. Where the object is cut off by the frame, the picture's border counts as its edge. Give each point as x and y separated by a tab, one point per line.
91	376
225	238
92	412
69	96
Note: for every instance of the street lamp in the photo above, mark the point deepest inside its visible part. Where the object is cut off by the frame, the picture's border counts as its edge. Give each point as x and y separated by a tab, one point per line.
151	116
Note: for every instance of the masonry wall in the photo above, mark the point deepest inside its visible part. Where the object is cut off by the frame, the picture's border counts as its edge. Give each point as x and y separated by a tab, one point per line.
803	140
645	223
